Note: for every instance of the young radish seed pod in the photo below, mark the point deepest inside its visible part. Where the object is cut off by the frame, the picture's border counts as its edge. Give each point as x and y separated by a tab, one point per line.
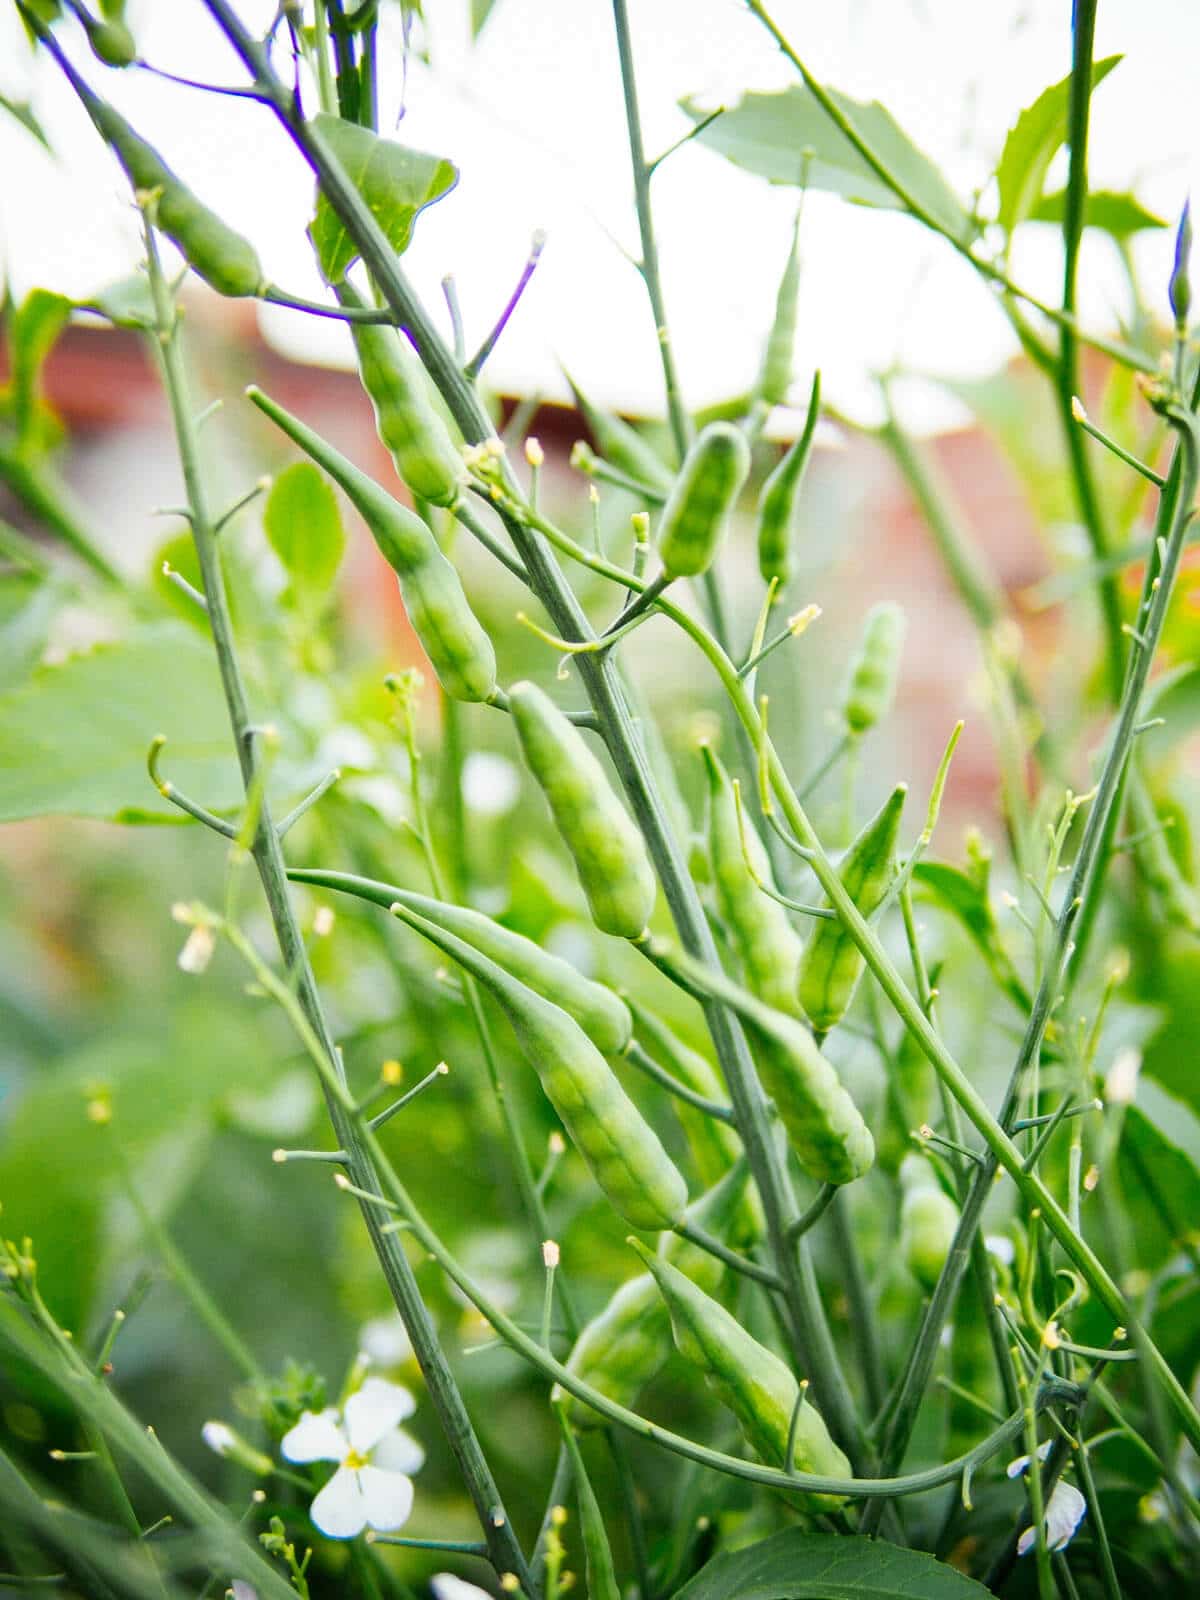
602	1015
775	374
601	1574
213	250
928	1220
627	1344
832	963
823	1124
414	433
871	685
609	852
693	519
618	1144
459	650
750	1380
767	945
781	495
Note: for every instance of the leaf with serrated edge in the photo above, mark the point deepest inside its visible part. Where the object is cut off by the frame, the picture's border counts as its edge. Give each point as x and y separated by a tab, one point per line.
397	183
771	135
1120	215
794	1565
1032	143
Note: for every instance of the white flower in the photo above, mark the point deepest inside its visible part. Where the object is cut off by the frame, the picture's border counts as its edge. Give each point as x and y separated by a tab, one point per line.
371	1487
1065	1512
242	1591
218	1436
446	1586
1015	1468
197	950
385	1342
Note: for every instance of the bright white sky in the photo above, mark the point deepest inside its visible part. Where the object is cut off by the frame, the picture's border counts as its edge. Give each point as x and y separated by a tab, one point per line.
532	115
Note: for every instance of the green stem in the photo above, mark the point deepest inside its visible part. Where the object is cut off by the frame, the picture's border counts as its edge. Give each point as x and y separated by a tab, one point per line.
601	679
268	858
864	1323
50	503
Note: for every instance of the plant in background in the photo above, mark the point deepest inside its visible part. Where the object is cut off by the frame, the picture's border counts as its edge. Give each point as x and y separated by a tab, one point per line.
841	1406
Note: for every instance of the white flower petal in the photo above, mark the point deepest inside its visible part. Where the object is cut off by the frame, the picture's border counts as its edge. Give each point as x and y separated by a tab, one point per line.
339	1510
316	1437
1015	1468
387	1497
218	1436
243	1591
386	1341
446	1586
374	1410
1065	1512
398	1451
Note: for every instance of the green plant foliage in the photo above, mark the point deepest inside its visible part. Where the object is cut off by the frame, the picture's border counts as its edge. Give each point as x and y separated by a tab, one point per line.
815	1566
1033	141
772	135
304	527
395	182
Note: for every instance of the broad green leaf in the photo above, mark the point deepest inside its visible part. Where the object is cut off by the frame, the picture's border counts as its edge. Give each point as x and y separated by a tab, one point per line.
395	182
1120	215
23	112
822	1566
33	328
788	138
128	303
74	736
953	890
305	528
1160	1186
179	553
1033	141
27	607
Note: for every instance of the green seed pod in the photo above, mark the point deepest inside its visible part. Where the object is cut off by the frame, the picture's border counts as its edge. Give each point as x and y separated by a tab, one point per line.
220	256
460	651
110	40
928	1220
602	1015
621	445
628	1343
601	1574
781	495
912	1100
750	1380
871	686
693	520
832	963
766	943
775	374
609	852
414	433
620	1147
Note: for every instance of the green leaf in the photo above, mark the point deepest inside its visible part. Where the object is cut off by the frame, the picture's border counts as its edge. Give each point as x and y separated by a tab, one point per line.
128	303
32	331
1160	1186
74	736
395	182
27	607
822	1566
1120	215
305	528
953	889
481	10
23	112
772	135
1033	141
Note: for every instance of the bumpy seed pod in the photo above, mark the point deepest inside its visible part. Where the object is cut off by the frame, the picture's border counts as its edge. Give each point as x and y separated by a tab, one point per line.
693	520
220	256
775	374
832	963
627	1344
460	651
609	852
414	433
871	684
602	1015
781	495
928	1220
750	1380
619	1145
767	945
